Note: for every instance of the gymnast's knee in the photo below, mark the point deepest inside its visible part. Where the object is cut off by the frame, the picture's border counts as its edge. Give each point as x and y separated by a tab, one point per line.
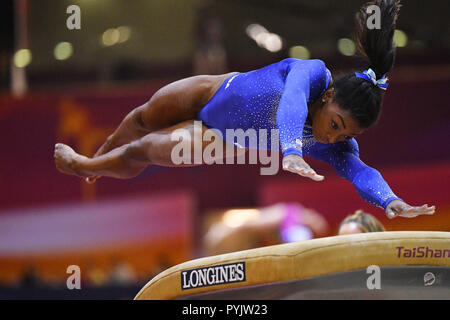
137	118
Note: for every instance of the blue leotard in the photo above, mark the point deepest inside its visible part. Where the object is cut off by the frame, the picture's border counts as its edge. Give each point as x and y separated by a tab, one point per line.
277	97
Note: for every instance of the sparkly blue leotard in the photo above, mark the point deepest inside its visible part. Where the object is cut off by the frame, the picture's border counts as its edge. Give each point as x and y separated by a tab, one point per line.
277	97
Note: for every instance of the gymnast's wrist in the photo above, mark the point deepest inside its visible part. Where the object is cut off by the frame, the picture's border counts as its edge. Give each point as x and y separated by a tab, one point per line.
389	200
292	151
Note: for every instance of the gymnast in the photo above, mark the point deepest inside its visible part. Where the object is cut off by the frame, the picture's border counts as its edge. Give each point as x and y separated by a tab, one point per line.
315	115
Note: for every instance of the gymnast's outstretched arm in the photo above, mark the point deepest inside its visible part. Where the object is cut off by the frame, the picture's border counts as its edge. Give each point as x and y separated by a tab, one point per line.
368	182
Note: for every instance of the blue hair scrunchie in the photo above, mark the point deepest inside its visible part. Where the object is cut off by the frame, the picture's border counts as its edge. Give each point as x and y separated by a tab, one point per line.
370	76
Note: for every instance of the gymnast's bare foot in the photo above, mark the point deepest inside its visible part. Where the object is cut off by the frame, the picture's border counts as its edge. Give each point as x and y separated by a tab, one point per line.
67	160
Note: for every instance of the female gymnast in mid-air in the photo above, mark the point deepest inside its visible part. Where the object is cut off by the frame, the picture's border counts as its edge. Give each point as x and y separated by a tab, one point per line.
314	115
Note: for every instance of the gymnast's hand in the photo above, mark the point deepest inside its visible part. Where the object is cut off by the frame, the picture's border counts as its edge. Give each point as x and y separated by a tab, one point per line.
295	164
399	208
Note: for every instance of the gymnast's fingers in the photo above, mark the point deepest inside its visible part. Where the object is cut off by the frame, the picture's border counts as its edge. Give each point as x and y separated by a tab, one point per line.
310	173
302	169
408	212
424	210
295	168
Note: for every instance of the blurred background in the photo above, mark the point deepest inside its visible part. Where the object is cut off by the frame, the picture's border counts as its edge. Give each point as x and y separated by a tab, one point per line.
63	84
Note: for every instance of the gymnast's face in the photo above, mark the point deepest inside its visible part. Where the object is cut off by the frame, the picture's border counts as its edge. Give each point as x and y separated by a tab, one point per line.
332	124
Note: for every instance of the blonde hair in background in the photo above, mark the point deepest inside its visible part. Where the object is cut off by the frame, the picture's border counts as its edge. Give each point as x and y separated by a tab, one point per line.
366	221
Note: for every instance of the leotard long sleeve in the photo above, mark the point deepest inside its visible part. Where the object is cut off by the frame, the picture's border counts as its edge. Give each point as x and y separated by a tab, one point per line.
304	84
277	97
344	157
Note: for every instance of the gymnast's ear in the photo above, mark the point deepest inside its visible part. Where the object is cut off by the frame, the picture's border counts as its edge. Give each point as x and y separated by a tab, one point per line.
328	96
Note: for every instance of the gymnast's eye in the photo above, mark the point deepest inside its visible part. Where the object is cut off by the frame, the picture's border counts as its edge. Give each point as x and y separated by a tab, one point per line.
334	125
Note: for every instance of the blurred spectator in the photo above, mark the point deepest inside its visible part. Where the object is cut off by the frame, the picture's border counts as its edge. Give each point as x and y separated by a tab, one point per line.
252	228
122	274
285	222
360	222
96	277
30	278
163	262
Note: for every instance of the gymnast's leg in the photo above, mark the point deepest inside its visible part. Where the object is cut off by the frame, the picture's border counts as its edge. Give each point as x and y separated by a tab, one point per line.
128	160
172	104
